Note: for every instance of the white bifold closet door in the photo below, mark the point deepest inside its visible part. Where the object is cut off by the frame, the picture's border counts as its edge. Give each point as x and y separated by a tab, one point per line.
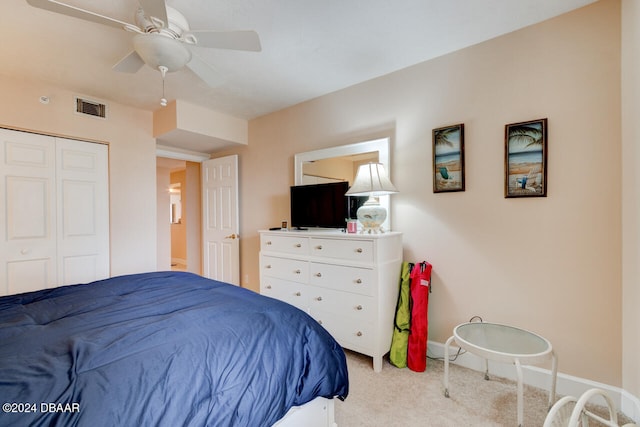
55	218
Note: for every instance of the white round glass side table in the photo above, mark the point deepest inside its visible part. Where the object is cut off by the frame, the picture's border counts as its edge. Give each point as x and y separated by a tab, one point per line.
506	344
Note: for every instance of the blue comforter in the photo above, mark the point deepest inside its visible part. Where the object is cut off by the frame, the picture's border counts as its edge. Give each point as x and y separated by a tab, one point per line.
166	349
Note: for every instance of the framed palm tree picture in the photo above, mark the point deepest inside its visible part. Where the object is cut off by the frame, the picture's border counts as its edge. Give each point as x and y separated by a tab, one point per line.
448	159
525	160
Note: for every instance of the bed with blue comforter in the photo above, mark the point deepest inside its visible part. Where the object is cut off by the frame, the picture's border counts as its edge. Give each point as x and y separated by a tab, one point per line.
166	349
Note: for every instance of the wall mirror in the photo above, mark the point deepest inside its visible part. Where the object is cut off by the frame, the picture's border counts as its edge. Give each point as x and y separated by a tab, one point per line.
341	164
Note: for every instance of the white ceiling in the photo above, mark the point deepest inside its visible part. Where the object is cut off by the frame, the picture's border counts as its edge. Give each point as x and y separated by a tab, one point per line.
309	47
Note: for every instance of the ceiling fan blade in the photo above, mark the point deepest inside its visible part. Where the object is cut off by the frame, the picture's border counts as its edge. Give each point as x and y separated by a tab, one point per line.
237	40
205	71
130	63
155	9
65	9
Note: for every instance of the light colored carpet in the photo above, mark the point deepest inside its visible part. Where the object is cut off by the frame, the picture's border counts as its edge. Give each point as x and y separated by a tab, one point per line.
401	397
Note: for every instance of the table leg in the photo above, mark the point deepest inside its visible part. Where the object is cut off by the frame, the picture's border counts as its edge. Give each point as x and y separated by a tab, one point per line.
520	393
377	363
486	369
446	366
554	375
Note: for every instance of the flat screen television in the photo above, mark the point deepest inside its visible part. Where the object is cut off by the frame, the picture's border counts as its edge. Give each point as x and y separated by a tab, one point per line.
322	205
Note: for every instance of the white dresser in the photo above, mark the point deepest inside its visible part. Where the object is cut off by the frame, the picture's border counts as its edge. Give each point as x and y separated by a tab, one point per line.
348	282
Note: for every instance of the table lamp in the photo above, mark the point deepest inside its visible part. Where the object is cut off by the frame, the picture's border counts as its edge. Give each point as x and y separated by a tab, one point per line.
371	180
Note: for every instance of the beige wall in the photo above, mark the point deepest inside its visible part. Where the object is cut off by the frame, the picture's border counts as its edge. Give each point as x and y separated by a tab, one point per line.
631	195
132	171
551	265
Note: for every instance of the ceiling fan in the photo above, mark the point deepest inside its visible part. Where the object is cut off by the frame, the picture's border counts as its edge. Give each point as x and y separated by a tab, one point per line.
163	38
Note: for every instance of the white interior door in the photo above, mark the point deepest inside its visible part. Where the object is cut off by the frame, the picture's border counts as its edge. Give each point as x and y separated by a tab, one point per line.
221	240
82	211
27	219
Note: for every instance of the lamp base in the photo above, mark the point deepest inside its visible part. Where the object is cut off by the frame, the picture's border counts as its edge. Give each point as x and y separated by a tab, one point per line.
371	216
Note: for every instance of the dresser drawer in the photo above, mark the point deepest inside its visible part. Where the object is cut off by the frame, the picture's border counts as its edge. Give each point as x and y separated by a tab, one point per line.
342	304
284	268
284	244
348	250
350	279
350	333
296	294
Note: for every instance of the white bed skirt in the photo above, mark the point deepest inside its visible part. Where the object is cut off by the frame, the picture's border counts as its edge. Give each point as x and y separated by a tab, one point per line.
317	413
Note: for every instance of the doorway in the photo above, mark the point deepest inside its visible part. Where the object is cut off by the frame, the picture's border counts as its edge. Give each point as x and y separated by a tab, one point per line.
178	215
176	218
193	179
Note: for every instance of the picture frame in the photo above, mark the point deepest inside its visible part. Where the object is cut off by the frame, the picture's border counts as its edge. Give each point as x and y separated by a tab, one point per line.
448	159
525	159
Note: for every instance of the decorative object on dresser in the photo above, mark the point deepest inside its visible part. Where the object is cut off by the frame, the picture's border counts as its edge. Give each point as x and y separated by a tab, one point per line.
347	282
371	180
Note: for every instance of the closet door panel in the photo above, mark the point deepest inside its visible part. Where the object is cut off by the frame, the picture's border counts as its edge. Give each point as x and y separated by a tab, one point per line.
27	208
83	211
27	225
29	275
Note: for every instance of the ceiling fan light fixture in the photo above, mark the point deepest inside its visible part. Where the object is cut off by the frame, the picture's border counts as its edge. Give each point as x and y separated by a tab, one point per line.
162	38
157	50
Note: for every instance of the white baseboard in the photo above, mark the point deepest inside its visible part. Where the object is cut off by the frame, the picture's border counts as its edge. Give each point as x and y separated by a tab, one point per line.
567	385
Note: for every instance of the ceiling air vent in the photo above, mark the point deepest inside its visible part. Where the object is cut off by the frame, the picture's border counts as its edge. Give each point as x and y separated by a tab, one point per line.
91	108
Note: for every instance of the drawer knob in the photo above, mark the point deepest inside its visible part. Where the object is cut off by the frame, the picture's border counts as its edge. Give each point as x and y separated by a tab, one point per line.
359	250
268	243
268	286
318	298
297	294
358	307
359	334
318	274
320	322
267	266
298	245
358	281
297	271
319	247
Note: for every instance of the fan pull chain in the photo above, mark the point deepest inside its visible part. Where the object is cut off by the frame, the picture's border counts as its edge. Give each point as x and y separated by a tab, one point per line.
163	71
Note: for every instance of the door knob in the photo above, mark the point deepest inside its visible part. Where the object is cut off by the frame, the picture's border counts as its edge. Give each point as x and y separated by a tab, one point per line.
232	236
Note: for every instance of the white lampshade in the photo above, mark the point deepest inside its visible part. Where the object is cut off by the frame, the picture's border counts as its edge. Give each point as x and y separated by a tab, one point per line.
371	180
